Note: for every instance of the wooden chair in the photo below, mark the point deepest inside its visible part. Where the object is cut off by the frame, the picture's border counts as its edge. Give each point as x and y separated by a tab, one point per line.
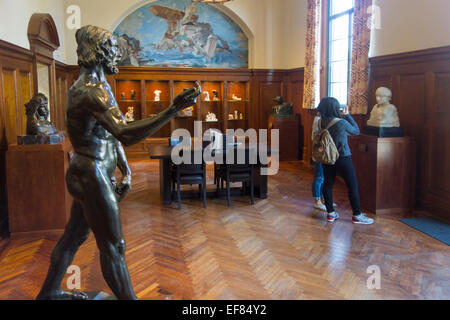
235	173
189	174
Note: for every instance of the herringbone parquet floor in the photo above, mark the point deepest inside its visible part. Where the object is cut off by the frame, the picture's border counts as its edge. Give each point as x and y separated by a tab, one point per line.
280	248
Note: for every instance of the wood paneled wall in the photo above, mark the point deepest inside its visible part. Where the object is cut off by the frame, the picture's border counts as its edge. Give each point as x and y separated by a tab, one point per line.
420	82
65	77
16	88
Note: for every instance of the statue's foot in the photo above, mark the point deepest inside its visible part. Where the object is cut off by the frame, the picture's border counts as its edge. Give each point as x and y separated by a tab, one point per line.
62	295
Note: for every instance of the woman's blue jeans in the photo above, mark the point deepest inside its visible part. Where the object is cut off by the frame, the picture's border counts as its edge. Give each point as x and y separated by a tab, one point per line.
317	184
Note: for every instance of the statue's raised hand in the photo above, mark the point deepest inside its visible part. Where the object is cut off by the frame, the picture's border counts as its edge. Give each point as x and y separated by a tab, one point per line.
187	98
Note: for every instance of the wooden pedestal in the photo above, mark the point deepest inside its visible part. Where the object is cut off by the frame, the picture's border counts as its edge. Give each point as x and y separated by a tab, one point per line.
38	200
289	135
386	170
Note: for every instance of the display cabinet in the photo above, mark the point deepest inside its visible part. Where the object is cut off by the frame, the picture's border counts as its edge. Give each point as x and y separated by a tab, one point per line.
212	105
128	94
157	98
237	105
185	119
224	92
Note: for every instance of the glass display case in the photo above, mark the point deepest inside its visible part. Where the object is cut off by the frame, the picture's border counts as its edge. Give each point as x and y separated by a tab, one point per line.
185	119
211	105
157	99
237	105
128	94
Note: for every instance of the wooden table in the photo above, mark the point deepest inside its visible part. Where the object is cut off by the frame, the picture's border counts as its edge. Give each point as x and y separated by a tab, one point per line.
163	153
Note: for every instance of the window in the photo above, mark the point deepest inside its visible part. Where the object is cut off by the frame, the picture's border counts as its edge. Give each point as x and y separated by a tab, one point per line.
339	48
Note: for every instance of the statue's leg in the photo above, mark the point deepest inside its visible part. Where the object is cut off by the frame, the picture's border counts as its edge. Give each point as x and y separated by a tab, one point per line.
75	233
103	216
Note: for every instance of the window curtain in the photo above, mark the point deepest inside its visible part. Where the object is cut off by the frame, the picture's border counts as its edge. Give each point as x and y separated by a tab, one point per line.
311	91
359	81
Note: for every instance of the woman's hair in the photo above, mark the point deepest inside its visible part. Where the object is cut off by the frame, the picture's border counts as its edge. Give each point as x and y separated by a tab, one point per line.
329	108
91	45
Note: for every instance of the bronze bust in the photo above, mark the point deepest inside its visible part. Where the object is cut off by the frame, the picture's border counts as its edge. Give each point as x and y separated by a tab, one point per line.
37	116
97	129
282	109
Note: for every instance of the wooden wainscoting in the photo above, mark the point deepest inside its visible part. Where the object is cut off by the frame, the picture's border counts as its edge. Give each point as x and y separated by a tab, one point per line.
420	83
16	88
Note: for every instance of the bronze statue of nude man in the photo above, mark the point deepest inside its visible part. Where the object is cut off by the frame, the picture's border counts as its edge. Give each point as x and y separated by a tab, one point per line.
97	129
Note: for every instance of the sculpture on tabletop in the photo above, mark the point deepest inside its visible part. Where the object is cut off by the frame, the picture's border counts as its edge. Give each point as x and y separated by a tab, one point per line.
97	129
282	109
383	121
39	129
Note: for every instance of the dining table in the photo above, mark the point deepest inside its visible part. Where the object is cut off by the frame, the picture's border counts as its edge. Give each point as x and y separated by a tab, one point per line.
163	153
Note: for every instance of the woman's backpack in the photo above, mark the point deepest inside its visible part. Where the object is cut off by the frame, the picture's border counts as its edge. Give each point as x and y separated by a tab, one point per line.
323	148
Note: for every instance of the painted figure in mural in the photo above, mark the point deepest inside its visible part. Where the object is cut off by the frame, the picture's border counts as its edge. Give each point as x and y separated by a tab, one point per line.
37	116
97	129
195	35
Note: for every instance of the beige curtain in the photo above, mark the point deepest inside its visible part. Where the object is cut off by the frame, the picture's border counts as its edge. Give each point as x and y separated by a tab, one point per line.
311	91
359	81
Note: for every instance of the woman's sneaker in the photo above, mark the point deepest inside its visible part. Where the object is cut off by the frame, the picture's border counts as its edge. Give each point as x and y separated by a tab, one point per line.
319	205
362	219
331	217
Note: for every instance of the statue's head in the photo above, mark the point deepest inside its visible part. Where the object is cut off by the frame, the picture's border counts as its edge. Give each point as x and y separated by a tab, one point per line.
37	107
278	100
97	46
130	109
383	95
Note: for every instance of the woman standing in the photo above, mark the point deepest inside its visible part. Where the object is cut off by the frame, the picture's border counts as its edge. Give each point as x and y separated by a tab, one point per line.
329	109
318	172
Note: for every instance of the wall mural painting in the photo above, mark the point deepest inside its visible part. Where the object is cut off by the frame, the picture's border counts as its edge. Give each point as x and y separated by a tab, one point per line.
181	33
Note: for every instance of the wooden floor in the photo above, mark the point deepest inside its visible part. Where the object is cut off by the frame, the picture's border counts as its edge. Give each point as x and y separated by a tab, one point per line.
280	248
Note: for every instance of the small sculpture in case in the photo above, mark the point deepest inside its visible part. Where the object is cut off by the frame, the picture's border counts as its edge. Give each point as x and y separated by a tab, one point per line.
157	95
216	95
129	116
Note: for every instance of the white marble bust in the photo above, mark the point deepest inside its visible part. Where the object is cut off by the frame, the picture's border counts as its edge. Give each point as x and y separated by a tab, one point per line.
384	114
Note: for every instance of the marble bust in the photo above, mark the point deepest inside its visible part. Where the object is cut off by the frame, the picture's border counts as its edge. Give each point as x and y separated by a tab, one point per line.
383	113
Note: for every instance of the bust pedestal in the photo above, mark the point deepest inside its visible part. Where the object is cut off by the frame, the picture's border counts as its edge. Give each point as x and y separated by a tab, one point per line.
38	200
383	132
386	171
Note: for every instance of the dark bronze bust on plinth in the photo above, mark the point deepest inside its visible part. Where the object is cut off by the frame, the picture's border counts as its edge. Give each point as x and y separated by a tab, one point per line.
97	129
282	109
39	129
